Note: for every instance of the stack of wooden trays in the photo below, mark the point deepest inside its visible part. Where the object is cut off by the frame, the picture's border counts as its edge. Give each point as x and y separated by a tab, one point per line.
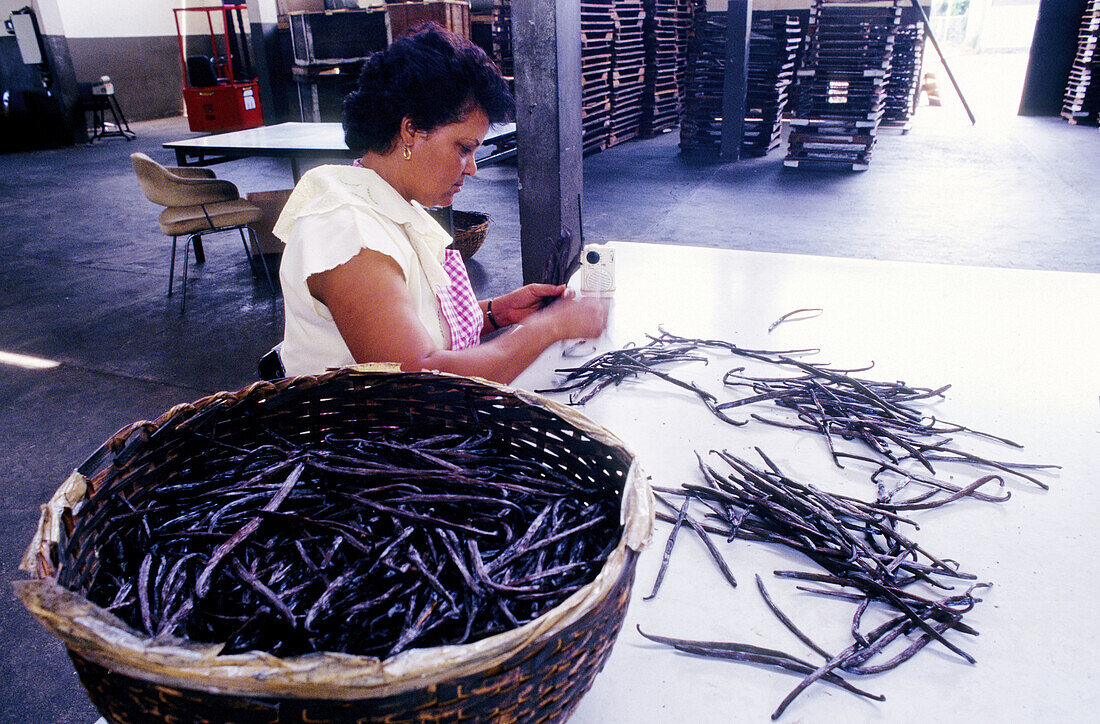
903	87
454	15
774	43
502	38
701	122
840	96
627	70
613	66
773	50
1081	103
597	34
667	28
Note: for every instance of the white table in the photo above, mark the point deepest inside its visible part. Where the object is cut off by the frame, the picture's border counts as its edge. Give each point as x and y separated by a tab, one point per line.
1022	351
307	142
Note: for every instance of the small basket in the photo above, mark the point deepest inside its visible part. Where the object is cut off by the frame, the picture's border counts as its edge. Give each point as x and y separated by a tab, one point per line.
537	672
470	228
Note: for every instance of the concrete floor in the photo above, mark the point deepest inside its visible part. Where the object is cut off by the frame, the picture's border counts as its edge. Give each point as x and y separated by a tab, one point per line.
83	274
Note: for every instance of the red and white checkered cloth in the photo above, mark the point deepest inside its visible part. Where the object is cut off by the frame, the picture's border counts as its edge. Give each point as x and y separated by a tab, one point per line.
457	301
459	305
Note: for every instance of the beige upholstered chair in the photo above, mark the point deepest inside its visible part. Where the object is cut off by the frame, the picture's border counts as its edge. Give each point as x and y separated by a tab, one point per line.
196	204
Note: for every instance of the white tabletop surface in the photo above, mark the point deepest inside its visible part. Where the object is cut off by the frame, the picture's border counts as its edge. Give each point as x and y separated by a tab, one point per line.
286	138
300	136
1021	350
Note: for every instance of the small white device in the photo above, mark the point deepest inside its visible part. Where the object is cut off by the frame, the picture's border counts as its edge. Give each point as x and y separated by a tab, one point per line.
597	269
103	87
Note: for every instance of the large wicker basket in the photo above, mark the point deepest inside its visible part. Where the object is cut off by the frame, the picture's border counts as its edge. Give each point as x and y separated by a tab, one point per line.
470	228
536	672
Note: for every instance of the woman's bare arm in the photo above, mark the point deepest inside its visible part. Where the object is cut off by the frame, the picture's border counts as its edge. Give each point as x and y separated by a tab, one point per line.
370	303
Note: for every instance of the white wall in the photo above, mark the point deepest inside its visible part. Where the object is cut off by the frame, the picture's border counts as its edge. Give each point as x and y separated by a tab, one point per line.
120	18
49	19
127	18
6	6
263	11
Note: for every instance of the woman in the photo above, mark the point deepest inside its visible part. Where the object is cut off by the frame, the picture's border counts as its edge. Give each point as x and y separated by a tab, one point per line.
365	273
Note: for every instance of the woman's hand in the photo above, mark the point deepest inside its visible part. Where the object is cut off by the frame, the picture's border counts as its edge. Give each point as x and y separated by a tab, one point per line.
514	307
565	313
573	316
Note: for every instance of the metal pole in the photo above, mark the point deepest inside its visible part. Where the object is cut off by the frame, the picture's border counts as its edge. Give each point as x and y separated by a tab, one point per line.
247	71
736	81
943	60
546	42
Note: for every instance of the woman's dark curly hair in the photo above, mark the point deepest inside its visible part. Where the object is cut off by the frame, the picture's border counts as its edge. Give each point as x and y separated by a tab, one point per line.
432	76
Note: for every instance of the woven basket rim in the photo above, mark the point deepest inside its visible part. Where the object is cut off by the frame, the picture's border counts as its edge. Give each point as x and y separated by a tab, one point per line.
101	637
485	218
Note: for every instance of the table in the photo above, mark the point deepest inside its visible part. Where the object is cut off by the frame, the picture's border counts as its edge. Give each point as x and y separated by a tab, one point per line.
1020	349
313	142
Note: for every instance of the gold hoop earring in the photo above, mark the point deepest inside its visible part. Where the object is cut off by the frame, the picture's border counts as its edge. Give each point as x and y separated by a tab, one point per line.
406	152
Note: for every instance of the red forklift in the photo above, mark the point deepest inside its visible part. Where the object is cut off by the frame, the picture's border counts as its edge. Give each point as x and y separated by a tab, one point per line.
220	90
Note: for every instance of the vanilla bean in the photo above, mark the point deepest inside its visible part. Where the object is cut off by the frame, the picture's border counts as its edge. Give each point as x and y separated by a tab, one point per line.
356	545
856	542
755	655
828	401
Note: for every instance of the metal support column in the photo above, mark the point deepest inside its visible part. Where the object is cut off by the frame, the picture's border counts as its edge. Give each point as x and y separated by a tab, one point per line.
736	81
267	59
546	43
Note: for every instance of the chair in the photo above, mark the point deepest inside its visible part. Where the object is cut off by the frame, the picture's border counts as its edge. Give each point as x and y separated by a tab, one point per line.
196	204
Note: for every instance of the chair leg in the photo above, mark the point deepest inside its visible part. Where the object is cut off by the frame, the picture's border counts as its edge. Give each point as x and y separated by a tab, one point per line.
172	265
200	255
253	262
186	257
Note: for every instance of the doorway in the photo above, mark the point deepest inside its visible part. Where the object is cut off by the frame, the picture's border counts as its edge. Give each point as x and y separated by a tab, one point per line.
986	43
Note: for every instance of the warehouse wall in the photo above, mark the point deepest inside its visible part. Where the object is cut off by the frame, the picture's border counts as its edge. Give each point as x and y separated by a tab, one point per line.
134	42
39	109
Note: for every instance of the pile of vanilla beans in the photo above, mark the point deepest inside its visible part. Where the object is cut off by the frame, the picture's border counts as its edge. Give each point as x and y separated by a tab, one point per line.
361	545
859	544
833	403
866	557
